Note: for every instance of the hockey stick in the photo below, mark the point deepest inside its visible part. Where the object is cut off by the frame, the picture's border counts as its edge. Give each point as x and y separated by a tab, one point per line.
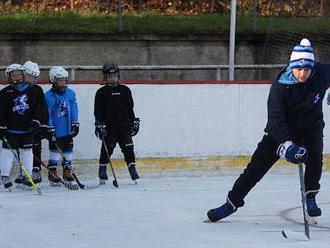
114	182
34	186
82	186
295	235
67	185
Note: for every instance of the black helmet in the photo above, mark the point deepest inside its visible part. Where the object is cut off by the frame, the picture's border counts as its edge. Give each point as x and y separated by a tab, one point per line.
109	68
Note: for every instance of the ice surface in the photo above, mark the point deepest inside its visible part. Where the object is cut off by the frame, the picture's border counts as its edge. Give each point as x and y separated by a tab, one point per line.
158	213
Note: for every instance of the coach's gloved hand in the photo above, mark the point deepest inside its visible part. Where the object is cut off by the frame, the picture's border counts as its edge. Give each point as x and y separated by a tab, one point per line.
292	153
100	131
3	130
74	129
135	126
35	125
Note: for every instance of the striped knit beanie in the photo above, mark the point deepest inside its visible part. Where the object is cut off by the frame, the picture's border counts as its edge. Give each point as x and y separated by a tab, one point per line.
302	55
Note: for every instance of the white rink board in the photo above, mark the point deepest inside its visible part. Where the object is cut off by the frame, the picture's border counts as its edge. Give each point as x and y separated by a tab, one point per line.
186	120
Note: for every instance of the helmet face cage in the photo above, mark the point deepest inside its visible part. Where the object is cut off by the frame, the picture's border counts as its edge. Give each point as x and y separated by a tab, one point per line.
14	67
56	73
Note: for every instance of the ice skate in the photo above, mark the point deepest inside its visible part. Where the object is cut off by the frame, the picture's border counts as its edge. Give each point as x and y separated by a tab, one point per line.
67	174
26	184
313	211
7	183
19	179
53	178
103	174
221	212
132	171
36	175
68	178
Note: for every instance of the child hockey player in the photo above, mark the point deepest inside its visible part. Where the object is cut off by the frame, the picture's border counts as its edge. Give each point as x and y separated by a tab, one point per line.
32	73
63	122
21	112
115	120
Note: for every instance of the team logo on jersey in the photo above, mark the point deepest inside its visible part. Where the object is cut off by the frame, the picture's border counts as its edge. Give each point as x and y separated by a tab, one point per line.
63	109
317	98
21	104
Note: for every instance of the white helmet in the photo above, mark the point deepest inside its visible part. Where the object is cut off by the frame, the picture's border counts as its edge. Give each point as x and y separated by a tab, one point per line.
32	69
13	67
57	72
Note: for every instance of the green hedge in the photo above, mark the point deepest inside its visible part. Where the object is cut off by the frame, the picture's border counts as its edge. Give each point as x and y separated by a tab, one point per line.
148	23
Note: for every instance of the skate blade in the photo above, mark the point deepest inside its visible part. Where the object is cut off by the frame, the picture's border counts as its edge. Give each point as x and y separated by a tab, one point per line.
312	220
8	189
102	182
207	221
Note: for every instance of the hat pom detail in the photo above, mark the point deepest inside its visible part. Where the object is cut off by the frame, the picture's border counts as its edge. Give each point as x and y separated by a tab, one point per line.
305	42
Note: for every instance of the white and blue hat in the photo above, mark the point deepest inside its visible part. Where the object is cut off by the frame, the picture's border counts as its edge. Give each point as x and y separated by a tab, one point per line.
302	55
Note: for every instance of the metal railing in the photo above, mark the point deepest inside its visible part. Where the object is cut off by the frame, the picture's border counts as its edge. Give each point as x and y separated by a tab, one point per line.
218	68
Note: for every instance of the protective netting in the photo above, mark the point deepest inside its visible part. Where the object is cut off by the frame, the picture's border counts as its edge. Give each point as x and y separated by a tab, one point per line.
278	44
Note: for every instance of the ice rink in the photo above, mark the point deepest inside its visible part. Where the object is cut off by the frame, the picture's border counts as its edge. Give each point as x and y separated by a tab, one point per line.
160	212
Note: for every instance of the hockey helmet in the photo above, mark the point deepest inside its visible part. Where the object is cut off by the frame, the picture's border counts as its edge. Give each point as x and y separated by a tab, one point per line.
31	69
13	67
110	68
57	72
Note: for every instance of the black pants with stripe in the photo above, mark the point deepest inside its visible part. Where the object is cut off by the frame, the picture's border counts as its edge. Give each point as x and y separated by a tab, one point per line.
126	145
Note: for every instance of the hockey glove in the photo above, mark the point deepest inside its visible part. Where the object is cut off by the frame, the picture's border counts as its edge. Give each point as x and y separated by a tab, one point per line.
35	125
135	126
51	132
43	131
100	131
3	130
74	129
292	153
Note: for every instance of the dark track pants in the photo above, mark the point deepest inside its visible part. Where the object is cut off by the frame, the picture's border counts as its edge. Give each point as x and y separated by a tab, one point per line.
265	157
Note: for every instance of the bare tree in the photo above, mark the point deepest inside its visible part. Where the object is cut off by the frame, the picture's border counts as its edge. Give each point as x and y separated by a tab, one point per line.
325	8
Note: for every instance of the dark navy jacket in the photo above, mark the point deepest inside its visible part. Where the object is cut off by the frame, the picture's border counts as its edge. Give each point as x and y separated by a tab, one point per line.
297	108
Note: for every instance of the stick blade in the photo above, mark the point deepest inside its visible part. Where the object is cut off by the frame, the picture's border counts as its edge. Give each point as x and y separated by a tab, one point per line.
114	182
294	235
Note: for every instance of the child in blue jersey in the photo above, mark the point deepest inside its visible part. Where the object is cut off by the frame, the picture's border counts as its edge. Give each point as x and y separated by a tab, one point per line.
63	118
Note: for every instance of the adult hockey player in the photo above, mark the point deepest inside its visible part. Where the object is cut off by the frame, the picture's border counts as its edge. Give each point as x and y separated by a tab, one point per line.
63	120
294	130
32	73
115	121
21	112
